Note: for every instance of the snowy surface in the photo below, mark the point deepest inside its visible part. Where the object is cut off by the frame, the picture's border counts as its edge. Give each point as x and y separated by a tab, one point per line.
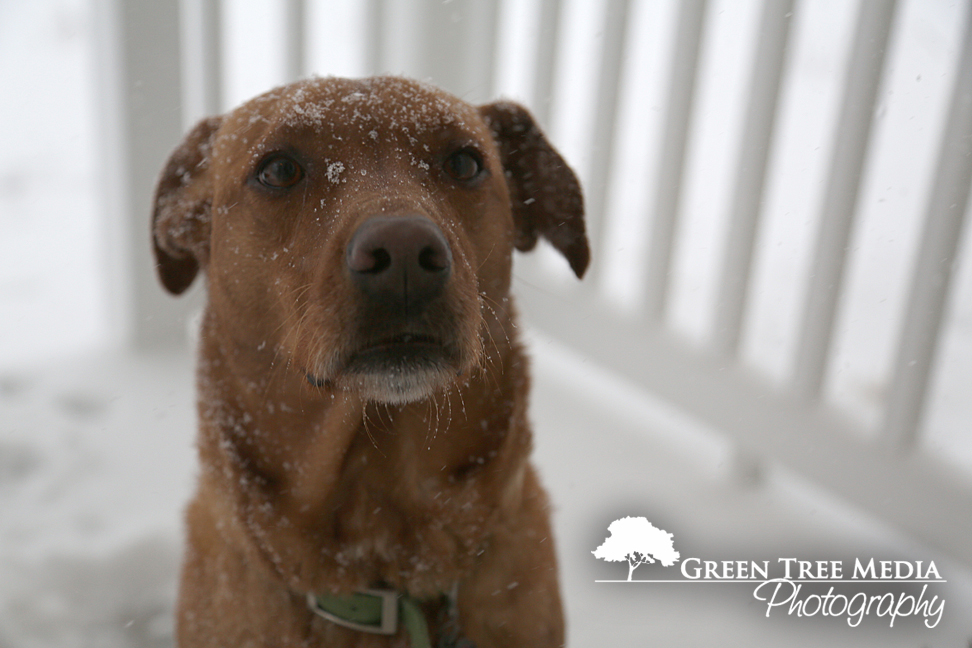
96	446
96	464
607	451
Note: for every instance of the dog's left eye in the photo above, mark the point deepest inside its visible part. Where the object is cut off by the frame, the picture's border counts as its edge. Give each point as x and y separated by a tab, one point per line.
464	165
280	172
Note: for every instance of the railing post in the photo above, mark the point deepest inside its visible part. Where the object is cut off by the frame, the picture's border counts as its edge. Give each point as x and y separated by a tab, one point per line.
141	121
604	136
295	40
211	55
851	140
548	40
681	91
451	44
944	220
375	45
751	175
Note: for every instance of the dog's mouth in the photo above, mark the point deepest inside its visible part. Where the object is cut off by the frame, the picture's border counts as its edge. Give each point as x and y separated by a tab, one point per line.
398	353
401	341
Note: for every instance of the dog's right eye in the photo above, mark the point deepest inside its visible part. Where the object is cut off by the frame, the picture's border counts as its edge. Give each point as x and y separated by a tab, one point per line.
279	172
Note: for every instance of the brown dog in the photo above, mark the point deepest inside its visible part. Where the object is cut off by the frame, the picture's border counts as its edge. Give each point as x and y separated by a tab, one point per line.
362	394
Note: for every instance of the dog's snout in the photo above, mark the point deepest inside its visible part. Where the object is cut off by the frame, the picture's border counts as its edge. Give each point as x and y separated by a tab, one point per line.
402	256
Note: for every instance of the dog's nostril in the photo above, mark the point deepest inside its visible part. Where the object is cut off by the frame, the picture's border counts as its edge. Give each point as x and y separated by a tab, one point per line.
368	259
432	259
382	261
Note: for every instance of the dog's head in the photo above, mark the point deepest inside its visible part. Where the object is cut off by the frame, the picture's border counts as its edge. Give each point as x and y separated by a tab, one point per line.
362	231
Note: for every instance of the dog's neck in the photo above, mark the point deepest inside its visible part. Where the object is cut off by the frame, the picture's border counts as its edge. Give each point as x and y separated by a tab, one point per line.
302	454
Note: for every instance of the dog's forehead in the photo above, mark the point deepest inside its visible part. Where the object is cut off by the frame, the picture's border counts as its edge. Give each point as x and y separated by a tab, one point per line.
380	108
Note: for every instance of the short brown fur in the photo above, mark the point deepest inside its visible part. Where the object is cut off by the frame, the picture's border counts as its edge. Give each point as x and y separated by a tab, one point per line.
318	480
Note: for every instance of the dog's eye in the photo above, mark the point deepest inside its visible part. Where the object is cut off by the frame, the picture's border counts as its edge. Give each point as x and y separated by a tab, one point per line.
464	165
280	172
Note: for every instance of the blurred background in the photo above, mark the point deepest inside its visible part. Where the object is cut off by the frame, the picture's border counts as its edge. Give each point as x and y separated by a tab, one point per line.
771	355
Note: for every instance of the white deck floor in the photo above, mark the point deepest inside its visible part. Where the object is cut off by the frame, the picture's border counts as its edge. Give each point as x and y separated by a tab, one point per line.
96	462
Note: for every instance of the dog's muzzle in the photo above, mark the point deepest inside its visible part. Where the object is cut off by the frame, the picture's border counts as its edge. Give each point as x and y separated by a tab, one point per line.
400	267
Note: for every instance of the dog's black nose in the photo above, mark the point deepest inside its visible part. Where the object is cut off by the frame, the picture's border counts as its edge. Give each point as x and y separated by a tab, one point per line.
403	258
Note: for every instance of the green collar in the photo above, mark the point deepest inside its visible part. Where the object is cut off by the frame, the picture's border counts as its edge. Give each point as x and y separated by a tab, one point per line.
375	610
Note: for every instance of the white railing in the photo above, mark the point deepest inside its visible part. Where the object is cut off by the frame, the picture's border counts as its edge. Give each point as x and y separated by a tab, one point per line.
786	415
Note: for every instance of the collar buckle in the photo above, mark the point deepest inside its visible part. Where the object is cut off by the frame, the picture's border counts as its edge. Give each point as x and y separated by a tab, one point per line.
371	610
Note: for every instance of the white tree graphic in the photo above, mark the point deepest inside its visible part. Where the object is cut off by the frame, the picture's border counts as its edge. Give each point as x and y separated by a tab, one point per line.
638	541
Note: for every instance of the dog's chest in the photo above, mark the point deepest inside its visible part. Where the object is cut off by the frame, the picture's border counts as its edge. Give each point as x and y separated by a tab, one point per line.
397	501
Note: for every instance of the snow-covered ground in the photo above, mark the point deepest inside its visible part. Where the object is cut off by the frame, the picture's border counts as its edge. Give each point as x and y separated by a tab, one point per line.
97	461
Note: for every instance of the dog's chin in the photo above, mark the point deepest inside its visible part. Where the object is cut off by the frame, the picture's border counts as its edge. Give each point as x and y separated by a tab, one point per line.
401	389
397	374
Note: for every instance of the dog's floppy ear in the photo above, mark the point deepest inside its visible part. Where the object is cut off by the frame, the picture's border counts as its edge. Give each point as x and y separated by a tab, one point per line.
183	204
546	196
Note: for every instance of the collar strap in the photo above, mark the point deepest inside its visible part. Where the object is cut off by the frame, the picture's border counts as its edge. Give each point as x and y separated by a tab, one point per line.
377	611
